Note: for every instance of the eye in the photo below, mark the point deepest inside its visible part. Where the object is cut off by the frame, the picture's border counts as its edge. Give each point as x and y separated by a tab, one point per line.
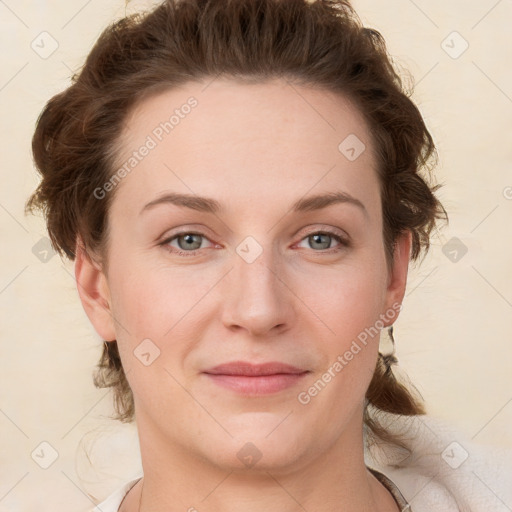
322	240
188	243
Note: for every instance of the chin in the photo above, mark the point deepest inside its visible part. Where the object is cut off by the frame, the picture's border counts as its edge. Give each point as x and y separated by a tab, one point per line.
260	442
257	457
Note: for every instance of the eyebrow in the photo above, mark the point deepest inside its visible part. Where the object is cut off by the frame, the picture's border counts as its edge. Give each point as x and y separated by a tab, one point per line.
208	205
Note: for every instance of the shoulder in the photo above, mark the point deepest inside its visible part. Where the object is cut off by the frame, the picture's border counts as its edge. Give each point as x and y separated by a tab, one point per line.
112	503
445	467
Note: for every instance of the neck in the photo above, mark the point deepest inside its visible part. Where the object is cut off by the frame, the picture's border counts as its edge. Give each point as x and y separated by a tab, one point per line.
175	479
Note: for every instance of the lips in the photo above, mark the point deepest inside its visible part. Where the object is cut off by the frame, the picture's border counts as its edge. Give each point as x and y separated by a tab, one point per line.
250	379
246	369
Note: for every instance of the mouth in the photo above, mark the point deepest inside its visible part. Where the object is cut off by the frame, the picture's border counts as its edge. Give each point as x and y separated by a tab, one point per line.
255	379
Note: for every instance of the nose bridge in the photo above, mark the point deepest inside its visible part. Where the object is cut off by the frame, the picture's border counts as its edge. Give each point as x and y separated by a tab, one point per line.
258	299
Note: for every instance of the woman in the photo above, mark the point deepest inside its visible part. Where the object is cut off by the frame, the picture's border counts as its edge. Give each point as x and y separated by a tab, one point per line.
242	186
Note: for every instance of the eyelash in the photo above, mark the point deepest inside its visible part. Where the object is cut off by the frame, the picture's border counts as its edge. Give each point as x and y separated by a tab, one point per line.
343	243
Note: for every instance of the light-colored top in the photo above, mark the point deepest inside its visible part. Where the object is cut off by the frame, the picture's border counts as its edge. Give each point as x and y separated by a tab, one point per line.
112	503
444	470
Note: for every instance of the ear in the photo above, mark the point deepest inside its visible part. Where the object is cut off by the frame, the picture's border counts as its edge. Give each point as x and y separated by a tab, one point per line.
94	293
397	279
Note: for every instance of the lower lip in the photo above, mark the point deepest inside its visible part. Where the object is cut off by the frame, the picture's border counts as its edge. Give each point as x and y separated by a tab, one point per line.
261	385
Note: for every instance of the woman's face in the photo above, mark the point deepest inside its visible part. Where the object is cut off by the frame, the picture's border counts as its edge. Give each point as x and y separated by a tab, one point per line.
258	273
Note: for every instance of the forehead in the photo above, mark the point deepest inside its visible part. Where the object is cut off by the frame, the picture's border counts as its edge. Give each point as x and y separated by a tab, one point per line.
267	139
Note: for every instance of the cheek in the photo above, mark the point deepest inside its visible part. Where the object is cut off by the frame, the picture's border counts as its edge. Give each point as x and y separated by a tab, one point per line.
352	316
347	308
150	310
351	310
156	302
348	298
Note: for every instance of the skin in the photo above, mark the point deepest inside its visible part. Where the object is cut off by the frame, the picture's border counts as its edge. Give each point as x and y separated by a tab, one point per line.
298	302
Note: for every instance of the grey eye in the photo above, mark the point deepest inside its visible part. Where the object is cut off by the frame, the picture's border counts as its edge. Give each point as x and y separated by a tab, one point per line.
317	239
192	241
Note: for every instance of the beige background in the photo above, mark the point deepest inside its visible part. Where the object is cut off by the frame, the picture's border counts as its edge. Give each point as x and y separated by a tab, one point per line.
453	335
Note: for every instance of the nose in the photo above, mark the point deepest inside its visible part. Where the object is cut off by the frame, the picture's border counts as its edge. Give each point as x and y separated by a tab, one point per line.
256	296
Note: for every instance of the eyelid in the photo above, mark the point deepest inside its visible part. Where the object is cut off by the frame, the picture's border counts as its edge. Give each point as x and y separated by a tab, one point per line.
342	237
165	243
343	241
313	229
185	230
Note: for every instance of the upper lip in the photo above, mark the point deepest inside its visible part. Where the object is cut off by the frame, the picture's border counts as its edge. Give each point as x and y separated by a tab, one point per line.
249	369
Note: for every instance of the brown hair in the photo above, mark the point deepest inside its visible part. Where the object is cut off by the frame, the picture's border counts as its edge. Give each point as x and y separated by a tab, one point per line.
318	43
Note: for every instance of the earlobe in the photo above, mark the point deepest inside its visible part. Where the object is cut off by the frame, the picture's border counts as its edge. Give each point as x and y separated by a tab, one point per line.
94	293
398	276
